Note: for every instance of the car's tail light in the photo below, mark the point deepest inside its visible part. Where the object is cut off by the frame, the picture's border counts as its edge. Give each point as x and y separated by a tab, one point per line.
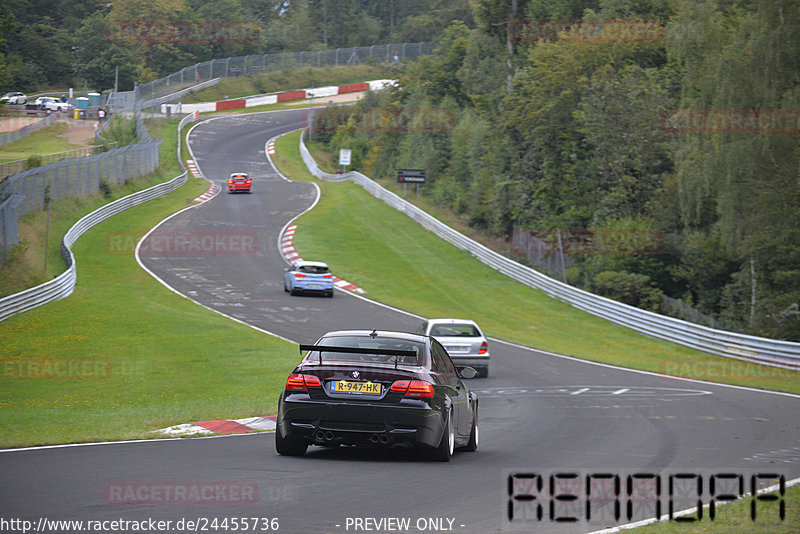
484	348
400	385
299	275
414	388
298	382
327	276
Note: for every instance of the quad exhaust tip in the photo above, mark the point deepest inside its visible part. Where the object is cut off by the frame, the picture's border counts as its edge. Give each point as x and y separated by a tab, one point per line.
320	435
323	435
380	438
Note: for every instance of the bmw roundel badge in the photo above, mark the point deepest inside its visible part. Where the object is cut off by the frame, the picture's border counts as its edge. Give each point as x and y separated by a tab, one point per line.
355	374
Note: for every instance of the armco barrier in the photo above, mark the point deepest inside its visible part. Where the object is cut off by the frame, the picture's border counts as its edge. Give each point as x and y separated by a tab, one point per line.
64	284
274	98
157	102
784	354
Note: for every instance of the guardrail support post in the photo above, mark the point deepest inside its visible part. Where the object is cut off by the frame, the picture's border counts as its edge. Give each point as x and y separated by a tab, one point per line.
8	211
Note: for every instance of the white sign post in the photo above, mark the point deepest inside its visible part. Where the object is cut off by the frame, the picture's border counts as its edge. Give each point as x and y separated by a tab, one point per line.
344	156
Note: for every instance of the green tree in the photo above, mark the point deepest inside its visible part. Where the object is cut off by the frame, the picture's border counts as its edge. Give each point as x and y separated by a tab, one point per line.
96	59
619	117
741	186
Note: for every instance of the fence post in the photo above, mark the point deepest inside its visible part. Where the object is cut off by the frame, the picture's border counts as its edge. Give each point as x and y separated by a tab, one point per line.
8	213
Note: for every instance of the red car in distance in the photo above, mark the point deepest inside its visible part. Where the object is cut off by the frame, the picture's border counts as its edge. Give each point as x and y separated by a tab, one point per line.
238	181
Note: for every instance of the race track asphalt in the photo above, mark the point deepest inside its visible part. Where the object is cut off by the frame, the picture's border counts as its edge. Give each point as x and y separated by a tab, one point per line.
539	413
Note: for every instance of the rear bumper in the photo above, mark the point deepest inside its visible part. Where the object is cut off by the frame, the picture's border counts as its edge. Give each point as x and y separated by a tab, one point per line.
409	422
477	362
313	286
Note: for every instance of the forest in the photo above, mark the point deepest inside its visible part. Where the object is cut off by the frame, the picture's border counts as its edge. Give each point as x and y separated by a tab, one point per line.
656	143
63	43
649	149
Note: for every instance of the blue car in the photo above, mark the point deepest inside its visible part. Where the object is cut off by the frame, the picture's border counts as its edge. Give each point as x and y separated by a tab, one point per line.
308	277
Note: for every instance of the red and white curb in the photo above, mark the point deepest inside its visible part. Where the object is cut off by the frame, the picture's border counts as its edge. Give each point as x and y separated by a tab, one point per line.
271	148
291	255
347	286
211	193
287	249
221	426
192	166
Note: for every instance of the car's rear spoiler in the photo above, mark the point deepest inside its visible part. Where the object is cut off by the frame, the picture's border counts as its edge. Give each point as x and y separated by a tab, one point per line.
357	350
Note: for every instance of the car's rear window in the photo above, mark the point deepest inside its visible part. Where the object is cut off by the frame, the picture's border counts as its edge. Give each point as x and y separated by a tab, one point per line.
369	343
313	269
455	330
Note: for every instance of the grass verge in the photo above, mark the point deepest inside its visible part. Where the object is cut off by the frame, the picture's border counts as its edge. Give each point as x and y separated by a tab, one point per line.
48	140
26	266
123	355
735	518
400	263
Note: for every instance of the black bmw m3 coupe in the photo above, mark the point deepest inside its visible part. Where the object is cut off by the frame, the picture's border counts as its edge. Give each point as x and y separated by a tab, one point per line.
370	388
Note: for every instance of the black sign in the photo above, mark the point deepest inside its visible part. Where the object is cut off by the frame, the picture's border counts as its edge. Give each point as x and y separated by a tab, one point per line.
411	176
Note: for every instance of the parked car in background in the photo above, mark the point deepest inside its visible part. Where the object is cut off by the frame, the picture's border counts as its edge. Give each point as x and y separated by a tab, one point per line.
239	181
52	104
463	340
308	277
14	98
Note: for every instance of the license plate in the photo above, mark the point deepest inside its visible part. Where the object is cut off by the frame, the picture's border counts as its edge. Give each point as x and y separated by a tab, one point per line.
314	286
343	386
457	349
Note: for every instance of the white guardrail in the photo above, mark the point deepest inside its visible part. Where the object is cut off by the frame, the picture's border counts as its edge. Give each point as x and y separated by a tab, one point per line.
156	102
63	285
784	354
